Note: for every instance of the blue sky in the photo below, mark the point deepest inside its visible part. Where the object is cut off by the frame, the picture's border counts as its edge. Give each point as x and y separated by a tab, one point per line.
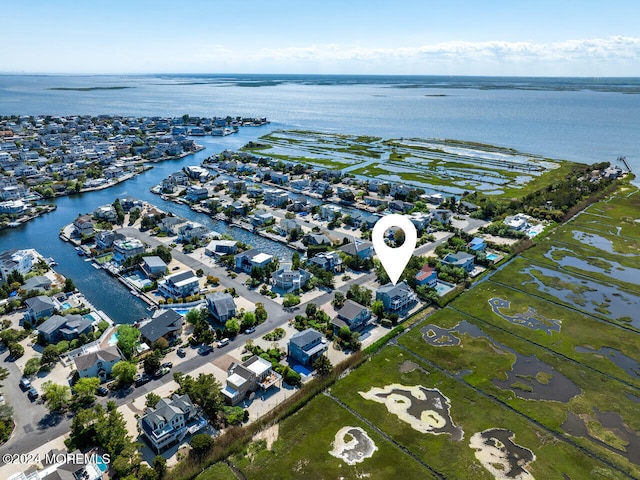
452	37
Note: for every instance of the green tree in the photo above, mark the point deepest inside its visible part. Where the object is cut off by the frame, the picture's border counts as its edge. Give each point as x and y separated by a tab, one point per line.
290	300
232	327
377	307
295	261
261	313
16	350
151	400
338	300
204	390
124	371
160	466
248	320
31	367
69	286
323	365
111	431
85	389
56	396
201	444
128	337
49	355
311	310
151	363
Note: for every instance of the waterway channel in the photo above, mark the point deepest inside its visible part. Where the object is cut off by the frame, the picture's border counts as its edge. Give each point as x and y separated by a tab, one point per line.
102	290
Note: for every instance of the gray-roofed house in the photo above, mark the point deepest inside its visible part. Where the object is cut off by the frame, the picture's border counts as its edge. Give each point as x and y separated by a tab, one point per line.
306	346
98	363
396	298
39	307
167	325
179	285
221	305
329	261
247	377
361	248
288	279
352	315
168	423
460	259
153	266
39	282
69	327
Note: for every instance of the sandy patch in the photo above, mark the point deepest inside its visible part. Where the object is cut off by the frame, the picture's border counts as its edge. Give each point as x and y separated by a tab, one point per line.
408	366
353	445
270	435
498	453
425	409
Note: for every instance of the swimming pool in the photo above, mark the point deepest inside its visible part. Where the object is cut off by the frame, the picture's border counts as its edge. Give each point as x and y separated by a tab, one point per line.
100	463
492	257
442	288
302	370
66	306
113	339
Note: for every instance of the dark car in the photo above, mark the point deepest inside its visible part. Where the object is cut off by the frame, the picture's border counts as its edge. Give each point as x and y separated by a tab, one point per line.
181	352
168	365
161	372
142	379
32	394
102	391
205	349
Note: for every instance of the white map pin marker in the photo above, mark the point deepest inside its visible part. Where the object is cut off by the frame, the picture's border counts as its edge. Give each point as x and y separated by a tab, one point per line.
394	259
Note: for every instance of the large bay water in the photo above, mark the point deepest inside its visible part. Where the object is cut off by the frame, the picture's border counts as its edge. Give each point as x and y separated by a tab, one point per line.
584	120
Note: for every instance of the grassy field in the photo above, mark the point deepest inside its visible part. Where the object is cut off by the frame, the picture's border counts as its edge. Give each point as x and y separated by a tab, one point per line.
470	410
305	439
219	471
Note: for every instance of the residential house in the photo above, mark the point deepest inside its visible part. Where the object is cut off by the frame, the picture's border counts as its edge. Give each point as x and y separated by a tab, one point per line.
375	201
288	279
433	198
316	239
400	206
153	266
170	225
306	346
442	215
196	193
427	275
167	325
39	307
361	248
329	261
104	240
352	315
237	186
261	217
247	377
477	244
39	283
19	260
518	222
468	206
245	261
98	363
254	191
69	327
396	298
275	197
221	305
300	184
129	247
460	259
168	422
221	247
83	226
192	230
420	220
179	285
288	224
329	211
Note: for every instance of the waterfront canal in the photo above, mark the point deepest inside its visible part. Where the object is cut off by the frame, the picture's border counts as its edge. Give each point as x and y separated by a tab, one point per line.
102	290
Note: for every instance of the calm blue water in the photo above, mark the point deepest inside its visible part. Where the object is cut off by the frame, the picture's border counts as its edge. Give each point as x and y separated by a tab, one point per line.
586	120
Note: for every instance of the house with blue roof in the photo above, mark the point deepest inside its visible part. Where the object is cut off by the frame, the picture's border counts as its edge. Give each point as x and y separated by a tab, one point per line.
460	259
477	245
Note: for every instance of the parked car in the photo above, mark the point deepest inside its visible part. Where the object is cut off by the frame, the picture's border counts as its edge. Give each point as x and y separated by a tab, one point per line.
181	352
161	372
32	394
102	391
223	343
25	384
205	349
250	330
141	379
168	365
